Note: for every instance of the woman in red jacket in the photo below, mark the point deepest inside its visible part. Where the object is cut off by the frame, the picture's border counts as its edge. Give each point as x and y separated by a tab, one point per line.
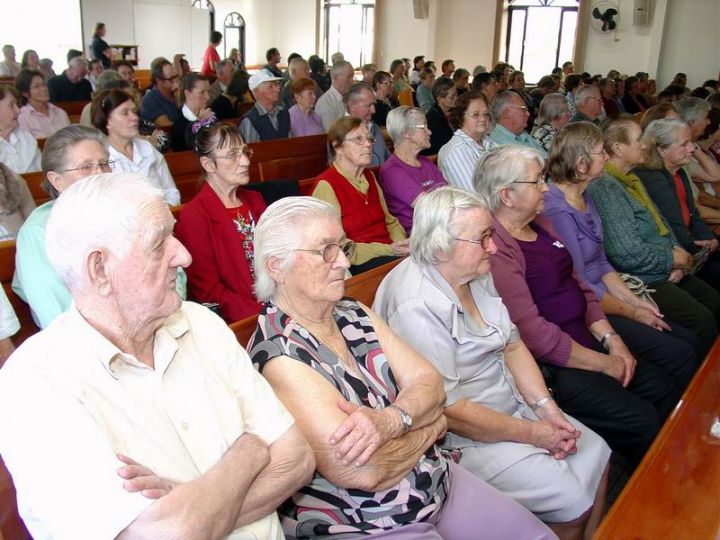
218	225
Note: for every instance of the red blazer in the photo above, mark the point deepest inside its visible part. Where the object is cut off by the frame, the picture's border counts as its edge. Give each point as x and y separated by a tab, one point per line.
219	271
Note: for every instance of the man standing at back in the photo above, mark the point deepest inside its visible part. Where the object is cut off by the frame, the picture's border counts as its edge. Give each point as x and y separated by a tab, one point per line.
71	85
330	106
148	419
267	119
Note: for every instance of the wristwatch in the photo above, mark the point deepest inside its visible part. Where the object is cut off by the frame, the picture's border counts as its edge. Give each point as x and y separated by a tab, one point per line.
405	418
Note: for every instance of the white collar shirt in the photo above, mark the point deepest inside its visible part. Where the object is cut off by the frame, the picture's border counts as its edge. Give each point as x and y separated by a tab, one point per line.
20	153
70	401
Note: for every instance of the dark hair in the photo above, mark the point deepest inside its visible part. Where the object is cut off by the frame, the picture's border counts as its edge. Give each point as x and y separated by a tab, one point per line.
91	63
629	83
394	65
441	87
481	80
6	89
572	81
700	92
188	82
500	66
459	73
379	77
156	69
293	56
656	112
26	55
73	53
556	71
675	90
216	136
546	81
417	59
317	64
238	85
457	113
118	63
499	74
271	52
23	82
710	83
98	28
430	64
300	85
446	63
103	104
215	37
339	130
572	143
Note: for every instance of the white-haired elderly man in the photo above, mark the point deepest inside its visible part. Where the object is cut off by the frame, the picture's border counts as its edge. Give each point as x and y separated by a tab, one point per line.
588	105
135	415
267	119
224	71
71	84
298	68
360	103
330	106
510	114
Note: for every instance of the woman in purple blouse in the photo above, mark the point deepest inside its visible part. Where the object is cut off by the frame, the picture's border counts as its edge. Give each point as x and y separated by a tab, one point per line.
303	118
406	174
594	375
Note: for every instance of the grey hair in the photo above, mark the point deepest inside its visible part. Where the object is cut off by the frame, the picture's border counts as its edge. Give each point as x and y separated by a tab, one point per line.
435	219
356	91
75	62
222	63
552	107
57	148
338	68
501	102
692	109
279	231
69	240
402	119
108	79
660	134
585	92
296	63
499	168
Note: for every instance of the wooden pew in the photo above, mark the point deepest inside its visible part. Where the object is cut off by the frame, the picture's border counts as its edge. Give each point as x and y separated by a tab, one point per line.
22	310
675	492
361	287
11	526
72	108
34	182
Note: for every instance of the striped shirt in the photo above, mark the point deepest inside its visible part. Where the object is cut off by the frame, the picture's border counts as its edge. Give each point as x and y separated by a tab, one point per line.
457	158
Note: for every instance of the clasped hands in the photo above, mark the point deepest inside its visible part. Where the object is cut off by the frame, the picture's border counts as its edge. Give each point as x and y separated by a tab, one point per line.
554	432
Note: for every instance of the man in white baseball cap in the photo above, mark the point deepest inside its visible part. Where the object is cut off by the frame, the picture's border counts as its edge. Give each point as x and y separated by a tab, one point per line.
267	120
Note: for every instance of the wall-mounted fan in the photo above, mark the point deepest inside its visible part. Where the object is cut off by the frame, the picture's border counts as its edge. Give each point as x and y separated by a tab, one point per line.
605	16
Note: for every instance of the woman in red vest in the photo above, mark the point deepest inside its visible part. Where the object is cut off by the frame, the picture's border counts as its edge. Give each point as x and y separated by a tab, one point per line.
353	189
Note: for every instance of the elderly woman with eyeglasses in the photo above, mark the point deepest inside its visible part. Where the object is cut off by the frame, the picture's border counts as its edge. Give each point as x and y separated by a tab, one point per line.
350	187
595	377
72	153
406	174
472	122
18	148
217	226
577	158
369	405
554	113
501	415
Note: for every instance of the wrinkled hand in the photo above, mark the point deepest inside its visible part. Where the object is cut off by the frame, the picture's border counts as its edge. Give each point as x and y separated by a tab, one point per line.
555	435
205	113
676	275
139	478
618	348
650	318
363	432
401	248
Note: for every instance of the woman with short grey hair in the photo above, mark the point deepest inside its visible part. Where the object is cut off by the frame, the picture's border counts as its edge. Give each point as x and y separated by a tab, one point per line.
369	405
406	174
443	302
702	167
559	317
554	114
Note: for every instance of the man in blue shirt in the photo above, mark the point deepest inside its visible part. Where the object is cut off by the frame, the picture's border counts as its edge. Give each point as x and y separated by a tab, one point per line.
159	105
511	115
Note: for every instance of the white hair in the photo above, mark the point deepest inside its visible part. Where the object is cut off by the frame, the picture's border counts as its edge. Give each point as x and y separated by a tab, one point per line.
100	212
435	222
402	119
279	231
586	92
500	167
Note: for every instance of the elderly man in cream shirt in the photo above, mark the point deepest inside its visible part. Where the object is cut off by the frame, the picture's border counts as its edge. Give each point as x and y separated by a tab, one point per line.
135	415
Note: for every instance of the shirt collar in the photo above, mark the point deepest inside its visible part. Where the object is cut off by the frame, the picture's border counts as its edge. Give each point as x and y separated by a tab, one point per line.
188	114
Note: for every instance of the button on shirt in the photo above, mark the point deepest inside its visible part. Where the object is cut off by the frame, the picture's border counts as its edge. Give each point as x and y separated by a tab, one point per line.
330	107
501	136
150	163
40	125
70	401
458	157
20	152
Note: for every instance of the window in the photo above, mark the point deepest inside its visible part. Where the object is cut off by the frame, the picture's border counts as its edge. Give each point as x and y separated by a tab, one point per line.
234	34
206	4
349	27
540	35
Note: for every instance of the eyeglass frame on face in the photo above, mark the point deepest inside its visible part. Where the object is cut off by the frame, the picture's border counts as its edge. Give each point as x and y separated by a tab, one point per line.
360	140
170	79
102	166
539	183
236	153
476	115
602	152
484	240
348	248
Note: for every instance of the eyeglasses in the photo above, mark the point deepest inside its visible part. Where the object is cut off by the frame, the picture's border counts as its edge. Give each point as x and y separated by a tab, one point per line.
602	152
236	153
360	140
539	183
88	168
330	252
484	241
476	115
522	107
170	79
419	126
